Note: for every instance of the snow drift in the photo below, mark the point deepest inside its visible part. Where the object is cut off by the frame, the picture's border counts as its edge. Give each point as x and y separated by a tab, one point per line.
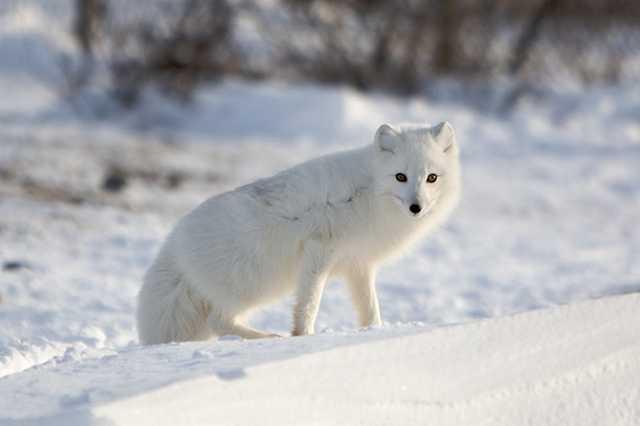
572	365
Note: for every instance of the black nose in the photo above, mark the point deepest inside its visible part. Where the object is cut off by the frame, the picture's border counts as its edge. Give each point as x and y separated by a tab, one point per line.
415	208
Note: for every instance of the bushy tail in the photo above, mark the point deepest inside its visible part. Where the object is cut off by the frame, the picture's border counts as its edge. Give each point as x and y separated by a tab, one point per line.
168	310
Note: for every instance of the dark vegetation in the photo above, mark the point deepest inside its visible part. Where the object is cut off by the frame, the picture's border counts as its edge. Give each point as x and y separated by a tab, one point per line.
395	46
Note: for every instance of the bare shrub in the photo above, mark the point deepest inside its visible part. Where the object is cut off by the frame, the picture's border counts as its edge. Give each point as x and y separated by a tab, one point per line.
386	45
365	44
191	46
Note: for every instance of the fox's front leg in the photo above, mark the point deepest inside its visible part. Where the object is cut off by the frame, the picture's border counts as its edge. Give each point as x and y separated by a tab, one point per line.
361	280
311	281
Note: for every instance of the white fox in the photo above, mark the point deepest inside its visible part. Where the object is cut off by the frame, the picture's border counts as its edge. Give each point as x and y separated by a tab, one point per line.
337	215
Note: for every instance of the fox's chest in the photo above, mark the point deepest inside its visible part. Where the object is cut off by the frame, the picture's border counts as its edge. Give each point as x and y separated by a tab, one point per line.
372	235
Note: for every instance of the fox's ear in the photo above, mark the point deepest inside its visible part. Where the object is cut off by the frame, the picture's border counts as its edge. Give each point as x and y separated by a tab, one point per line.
386	138
444	136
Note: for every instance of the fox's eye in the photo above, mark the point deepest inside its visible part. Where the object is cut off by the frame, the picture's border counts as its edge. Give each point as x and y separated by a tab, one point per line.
432	177
401	177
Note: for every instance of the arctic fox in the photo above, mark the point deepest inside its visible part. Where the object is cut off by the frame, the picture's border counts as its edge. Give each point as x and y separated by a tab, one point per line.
337	215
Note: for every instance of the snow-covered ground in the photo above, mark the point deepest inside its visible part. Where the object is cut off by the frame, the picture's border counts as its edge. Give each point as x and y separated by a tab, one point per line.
549	216
573	365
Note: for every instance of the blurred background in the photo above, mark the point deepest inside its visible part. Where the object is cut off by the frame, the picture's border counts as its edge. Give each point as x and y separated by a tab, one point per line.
399	47
117	117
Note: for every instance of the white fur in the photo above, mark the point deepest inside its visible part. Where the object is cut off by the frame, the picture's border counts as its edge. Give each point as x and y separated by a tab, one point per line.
338	215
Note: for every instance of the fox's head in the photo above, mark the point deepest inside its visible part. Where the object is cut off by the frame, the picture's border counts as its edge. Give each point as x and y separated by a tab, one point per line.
417	167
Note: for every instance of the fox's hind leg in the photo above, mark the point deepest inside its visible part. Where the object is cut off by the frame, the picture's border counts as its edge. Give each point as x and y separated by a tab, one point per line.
221	326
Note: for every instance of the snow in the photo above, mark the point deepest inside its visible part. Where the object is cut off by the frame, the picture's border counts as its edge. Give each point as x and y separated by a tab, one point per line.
549	216
570	365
